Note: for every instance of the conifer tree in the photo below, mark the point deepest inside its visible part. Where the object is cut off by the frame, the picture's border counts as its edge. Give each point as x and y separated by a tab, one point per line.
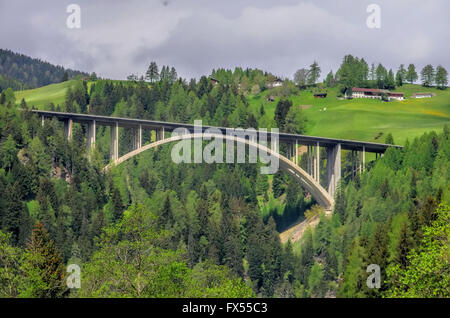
152	73
117	203
165	219
43	266
427	75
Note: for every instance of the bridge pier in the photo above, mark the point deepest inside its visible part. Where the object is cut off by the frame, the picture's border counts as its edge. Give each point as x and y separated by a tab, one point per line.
91	135
364	158
308	160
333	168
137	140
68	129
317	163
160	134
114	142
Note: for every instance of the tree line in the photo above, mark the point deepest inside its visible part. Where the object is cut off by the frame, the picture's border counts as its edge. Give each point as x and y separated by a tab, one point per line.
356	72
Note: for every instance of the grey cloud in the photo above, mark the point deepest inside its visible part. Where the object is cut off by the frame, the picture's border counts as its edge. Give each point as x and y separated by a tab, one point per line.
118	38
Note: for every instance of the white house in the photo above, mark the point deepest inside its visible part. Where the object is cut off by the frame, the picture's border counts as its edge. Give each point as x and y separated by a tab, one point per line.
276	83
375	93
423	95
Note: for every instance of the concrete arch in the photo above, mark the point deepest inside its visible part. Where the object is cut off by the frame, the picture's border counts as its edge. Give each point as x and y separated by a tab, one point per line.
300	175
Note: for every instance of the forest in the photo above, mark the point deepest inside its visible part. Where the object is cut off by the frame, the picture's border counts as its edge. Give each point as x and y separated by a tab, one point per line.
153	228
19	71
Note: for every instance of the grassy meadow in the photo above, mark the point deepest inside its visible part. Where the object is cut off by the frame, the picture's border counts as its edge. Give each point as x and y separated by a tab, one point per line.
365	119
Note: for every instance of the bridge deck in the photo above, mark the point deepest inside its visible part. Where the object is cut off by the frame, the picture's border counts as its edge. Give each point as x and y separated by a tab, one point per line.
169	126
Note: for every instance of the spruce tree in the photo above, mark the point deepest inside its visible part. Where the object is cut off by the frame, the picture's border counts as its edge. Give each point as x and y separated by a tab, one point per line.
404	245
43	267
441	77
411	74
165	219
117	203
13	211
152	73
427	75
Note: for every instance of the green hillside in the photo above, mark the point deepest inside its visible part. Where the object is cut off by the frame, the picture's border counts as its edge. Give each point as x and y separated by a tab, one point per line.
365	119
42	96
360	119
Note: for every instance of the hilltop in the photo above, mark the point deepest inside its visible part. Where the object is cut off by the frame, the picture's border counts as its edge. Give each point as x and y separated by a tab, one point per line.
31	72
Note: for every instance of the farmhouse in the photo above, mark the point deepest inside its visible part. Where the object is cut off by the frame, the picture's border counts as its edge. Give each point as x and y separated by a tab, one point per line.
214	81
320	95
276	83
395	95
375	93
423	95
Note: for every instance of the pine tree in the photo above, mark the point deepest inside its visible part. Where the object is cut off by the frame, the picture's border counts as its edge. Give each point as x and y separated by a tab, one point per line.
377	254
329	81
381	75
400	77
390	80
117	203
278	184
261	110
389	139
173	75
427	75
152	73
14	211
314	73
43	266
404	245
372	73
65	77
281	112
232	251
411	74
165	219
441	77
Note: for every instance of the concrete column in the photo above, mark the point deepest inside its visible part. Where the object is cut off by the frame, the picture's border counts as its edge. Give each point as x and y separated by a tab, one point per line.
353	164
160	134
333	168
42	120
360	162
364	158
91	135
68	129
114	142
308	164
309	160
317	162
137	140
274	145
314	152
296	152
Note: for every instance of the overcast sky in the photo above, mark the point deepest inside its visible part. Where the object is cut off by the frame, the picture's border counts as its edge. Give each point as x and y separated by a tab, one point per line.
118	38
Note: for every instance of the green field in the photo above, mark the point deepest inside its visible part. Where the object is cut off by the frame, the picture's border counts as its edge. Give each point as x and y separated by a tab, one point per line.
359	119
42	96
364	119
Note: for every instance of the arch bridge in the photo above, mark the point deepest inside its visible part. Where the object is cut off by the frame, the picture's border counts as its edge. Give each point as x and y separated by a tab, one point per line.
296	147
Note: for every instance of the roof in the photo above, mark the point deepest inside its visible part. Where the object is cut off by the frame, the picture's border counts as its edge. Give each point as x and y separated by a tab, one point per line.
415	94
320	94
366	90
376	90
